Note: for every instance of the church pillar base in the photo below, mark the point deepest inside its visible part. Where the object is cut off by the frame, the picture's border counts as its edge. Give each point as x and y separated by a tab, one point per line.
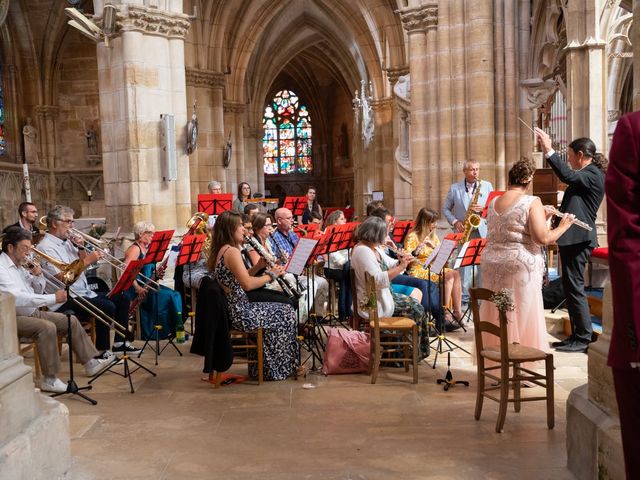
594	448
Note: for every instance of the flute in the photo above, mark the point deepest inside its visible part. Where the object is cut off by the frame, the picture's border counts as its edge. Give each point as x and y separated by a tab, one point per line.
558	213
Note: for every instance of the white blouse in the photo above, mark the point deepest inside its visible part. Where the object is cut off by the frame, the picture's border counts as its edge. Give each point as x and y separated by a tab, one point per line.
364	260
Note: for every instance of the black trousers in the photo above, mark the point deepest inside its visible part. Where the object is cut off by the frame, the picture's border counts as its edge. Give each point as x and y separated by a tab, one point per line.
574	259
116	308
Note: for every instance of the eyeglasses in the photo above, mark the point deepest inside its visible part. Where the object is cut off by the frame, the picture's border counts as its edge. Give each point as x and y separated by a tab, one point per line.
68	222
149	231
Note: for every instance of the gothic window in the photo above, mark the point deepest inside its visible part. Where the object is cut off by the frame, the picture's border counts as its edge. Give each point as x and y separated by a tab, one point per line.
3	140
286	143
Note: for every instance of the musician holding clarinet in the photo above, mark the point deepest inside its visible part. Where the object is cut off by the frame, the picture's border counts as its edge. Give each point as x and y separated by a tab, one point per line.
585	179
25	282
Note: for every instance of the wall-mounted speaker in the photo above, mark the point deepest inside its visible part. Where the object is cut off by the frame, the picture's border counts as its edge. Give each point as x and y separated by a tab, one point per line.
168	157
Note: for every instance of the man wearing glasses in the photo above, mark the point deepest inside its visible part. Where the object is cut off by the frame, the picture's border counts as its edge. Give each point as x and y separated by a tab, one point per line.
61	245
27	218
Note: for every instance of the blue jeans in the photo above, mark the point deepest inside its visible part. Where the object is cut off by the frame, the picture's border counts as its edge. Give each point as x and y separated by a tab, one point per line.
430	293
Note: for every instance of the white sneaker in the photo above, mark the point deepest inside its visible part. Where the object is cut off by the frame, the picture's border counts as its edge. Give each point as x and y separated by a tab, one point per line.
53	384
106	355
95	366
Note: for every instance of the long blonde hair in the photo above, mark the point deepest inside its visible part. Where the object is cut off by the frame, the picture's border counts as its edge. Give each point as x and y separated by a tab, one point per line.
425	217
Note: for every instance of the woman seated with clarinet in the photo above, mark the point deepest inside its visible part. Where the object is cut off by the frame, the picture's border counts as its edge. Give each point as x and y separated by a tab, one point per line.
159	307
420	242
281	348
284	289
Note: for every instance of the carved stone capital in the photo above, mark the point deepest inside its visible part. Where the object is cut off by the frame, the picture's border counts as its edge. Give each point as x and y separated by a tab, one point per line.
152	22
419	19
538	91
381	103
204	78
234	107
393	73
47	111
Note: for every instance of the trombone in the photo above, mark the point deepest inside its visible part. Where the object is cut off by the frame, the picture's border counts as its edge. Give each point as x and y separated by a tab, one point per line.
82	302
112	260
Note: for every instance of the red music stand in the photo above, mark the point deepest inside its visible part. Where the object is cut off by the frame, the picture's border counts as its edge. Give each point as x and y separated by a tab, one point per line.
346	239
295	204
214	203
311	230
470	253
124	283
492	195
400	230
190	249
158	246
456	237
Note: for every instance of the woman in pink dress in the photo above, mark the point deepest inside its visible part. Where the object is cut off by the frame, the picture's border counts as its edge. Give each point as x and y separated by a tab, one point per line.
512	258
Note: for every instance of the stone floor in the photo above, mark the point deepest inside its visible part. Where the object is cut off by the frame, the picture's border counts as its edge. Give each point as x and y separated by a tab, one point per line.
176	426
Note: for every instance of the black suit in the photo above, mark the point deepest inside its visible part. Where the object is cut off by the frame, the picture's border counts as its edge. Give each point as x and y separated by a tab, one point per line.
34	230
582	198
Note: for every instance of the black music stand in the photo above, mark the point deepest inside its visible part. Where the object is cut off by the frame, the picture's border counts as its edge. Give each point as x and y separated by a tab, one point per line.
439	261
295	204
214	203
72	386
124	283
401	230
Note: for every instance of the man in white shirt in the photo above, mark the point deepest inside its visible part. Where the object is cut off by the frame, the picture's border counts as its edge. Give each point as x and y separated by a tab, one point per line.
59	244
41	326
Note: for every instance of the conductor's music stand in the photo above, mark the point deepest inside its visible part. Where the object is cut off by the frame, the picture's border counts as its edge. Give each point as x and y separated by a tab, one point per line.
295	204
124	283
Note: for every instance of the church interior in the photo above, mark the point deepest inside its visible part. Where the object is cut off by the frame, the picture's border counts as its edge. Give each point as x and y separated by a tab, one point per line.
126	110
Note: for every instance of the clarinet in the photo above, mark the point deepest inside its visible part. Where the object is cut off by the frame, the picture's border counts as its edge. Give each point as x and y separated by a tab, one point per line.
284	283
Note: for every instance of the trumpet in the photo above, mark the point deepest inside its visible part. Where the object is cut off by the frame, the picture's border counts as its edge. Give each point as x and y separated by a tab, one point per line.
559	214
82	302
284	283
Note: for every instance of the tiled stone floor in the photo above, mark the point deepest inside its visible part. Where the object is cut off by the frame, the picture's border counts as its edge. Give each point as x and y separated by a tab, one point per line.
176	426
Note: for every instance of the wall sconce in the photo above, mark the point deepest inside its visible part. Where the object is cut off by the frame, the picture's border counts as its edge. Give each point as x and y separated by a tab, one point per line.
89	194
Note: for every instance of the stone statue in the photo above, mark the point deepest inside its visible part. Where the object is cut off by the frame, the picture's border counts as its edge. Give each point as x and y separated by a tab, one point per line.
92	141
30	134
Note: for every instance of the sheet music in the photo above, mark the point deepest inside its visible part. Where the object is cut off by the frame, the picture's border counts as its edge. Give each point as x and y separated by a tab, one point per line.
431	256
446	247
461	255
300	255
173	256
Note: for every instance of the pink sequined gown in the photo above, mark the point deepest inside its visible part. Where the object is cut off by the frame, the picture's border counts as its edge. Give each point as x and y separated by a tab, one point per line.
513	260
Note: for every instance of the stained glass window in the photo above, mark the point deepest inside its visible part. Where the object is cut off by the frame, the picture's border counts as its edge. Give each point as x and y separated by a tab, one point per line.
3	140
286	144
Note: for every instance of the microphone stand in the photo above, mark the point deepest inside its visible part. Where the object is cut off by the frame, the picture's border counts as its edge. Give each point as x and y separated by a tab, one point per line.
72	386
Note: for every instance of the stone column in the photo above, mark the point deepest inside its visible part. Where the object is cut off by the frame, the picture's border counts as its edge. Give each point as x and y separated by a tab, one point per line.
34	429
586	72
635	41
401	173
46	122
417	20
383	149
206	163
253	150
141	75
233	121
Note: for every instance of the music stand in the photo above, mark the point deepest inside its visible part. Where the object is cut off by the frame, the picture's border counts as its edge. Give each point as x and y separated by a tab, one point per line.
214	203
440	259
124	283
469	256
493	194
295	204
72	386
400	230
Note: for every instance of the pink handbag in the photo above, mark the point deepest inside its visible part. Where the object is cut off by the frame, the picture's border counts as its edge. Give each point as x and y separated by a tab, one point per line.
347	351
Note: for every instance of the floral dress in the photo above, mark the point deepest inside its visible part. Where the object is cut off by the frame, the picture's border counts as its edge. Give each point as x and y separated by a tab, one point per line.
281	348
512	260
406	306
415	268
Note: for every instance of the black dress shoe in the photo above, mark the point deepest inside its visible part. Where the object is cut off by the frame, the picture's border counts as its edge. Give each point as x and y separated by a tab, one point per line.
574	346
562	343
450	326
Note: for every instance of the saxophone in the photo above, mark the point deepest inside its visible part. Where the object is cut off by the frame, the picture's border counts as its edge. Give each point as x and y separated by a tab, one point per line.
471	219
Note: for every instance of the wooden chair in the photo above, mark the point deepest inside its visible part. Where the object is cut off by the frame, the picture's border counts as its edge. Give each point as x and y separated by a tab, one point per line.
389	335
357	320
27	345
243	342
508	356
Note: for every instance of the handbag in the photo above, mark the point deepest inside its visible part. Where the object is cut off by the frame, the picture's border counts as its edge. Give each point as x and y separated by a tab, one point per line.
347	351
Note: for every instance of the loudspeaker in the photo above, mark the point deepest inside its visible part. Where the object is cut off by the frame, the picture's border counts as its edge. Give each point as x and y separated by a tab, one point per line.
168	158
